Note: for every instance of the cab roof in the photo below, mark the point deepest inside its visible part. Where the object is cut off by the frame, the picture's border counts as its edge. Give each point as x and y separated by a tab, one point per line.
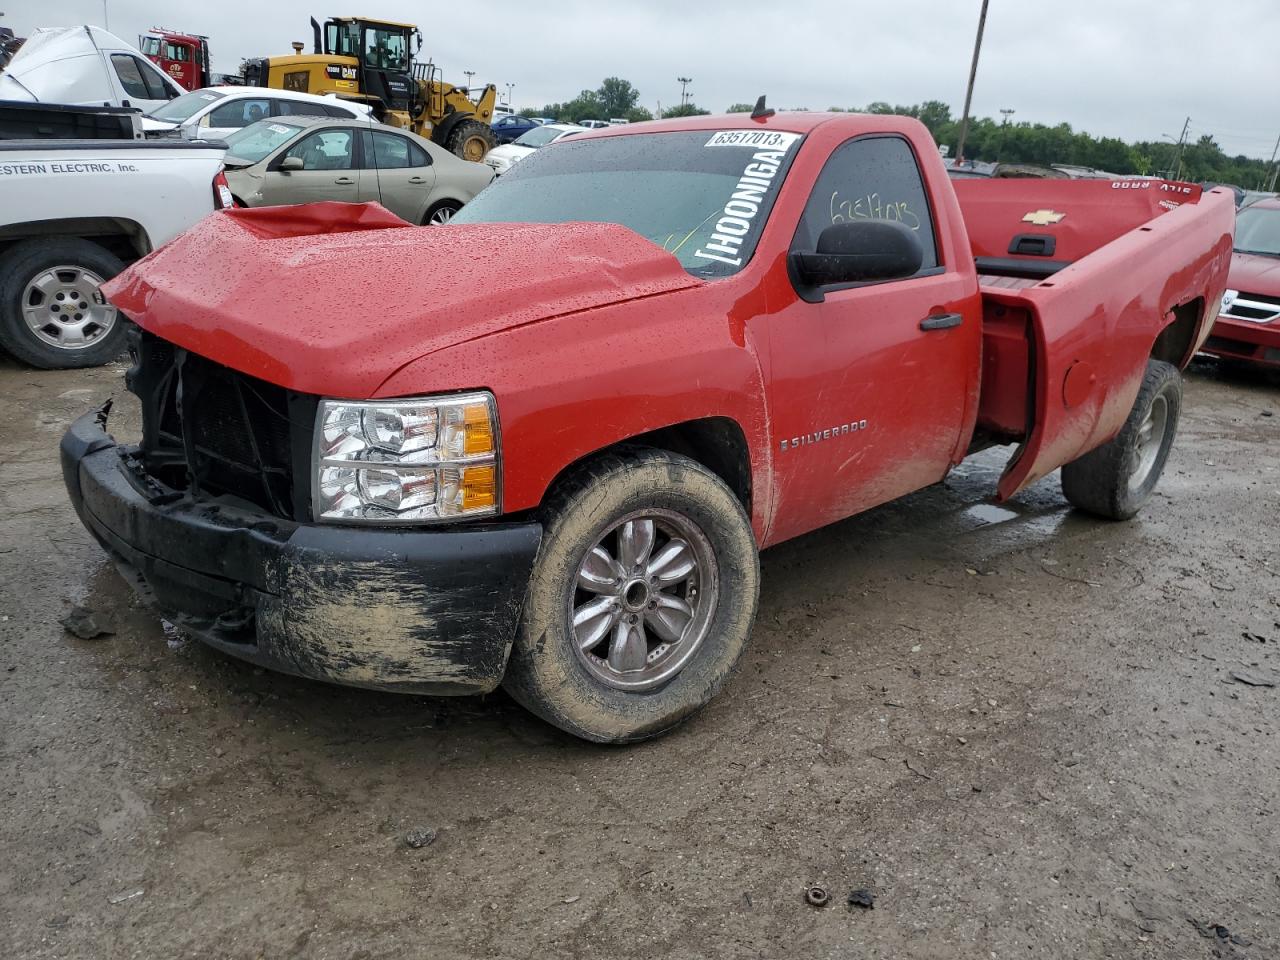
389	23
798	121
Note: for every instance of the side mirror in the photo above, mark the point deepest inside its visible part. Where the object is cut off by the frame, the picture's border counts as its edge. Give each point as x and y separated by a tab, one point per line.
859	251
290	164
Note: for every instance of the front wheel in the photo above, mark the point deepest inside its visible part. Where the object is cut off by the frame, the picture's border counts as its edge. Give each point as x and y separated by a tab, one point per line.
471	140
52	314
641	601
1115	480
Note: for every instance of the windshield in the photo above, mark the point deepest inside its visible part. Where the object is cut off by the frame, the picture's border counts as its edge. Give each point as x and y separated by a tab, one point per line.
701	195
256	141
151	46
538	136
186	106
1258	231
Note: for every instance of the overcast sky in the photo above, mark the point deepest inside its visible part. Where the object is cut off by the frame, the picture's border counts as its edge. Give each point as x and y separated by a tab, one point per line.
1128	68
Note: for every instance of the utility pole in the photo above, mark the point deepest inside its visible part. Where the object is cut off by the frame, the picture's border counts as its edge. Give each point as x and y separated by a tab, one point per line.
968	94
469	74
684	84
1274	169
510	87
1176	174
1004	134
106	24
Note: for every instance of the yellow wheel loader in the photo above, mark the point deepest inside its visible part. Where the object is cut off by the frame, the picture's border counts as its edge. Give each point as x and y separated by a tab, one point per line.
358	58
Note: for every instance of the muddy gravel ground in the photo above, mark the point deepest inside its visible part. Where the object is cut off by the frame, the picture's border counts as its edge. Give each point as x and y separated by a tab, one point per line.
1017	726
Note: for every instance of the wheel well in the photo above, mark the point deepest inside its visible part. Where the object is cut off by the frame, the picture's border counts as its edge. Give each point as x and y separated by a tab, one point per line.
124	238
1177	338
717	443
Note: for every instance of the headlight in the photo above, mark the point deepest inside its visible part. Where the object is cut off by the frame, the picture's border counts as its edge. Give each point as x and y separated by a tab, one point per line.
406	461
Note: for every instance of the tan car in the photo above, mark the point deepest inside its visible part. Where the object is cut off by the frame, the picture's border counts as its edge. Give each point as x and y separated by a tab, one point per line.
286	160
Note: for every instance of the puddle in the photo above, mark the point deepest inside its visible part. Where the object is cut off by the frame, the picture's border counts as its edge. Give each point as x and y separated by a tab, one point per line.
989	513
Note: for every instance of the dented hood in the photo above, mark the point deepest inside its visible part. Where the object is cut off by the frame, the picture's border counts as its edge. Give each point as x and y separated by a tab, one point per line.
333	298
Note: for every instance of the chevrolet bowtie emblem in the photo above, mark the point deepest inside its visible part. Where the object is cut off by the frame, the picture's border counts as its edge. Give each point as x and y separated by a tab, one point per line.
1042	218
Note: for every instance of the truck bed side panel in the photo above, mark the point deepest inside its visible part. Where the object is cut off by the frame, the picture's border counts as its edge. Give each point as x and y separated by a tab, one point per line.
1095	322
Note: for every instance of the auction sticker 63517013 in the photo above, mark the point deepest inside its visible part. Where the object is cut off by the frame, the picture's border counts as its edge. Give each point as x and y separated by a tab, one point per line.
773	139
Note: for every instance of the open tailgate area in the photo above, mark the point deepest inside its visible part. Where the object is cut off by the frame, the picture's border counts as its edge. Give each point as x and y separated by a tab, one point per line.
1082	282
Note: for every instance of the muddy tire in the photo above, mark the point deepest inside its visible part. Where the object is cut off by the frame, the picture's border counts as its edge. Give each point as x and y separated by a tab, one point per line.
471	140
641	600
1115	480
52	315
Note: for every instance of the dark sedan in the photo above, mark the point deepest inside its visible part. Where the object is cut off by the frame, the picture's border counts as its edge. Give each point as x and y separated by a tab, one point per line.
510	127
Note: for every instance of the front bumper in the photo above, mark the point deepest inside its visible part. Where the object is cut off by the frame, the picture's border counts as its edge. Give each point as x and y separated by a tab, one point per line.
429	611
1242	340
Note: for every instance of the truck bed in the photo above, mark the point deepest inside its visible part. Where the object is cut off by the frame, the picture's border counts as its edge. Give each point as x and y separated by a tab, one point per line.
1079	279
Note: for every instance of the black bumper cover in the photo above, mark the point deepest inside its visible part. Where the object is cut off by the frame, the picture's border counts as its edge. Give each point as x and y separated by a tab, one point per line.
424	611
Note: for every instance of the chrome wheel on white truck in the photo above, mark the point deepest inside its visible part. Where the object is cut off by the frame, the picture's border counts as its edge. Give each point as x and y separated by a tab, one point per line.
52	312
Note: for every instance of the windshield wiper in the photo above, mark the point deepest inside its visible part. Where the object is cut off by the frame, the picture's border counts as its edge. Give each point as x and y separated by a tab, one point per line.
1259	253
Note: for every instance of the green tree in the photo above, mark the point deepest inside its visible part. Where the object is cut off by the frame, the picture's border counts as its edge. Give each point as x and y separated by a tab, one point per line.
617	97
685	110
740	108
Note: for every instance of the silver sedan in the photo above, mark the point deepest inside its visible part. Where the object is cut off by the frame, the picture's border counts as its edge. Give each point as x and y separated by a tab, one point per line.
287	160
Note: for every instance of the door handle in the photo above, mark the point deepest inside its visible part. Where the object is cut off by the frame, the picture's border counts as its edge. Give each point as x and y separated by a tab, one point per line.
941	321
345	181
416	180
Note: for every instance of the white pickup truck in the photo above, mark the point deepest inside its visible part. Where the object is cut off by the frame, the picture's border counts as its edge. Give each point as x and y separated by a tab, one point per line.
73	213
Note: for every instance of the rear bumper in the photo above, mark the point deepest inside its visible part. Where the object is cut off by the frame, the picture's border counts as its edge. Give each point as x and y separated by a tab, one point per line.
425	611
1241	340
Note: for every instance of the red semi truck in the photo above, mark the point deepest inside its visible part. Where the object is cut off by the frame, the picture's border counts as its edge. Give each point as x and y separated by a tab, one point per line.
659	349
183	56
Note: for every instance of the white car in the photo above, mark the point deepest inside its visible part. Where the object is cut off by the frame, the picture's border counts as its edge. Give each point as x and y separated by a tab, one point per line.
502	158
216	112
84	66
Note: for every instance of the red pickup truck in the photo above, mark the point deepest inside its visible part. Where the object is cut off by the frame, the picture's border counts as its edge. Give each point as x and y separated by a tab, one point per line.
649	352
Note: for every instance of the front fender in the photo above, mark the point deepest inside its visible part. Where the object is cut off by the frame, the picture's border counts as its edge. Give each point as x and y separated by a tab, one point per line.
579	383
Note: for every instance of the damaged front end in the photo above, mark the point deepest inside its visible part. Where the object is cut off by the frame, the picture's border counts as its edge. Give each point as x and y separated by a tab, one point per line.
213	511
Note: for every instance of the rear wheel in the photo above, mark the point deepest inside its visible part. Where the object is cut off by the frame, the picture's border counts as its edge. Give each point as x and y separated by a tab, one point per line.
641	601
441	213
52	314
1115	480
471	140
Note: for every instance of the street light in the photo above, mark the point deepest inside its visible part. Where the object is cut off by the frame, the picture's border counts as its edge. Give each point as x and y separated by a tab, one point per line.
684	83
469	75
510	87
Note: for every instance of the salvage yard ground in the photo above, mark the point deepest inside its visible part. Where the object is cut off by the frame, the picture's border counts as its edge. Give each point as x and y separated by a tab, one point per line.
1028	732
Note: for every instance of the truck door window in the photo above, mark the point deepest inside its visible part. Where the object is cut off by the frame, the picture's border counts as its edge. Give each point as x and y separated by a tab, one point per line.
174	52
870	178
325	150
130	73
239	113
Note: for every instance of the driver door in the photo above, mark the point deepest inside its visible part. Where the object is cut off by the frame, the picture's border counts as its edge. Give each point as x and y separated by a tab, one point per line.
871	383
330	169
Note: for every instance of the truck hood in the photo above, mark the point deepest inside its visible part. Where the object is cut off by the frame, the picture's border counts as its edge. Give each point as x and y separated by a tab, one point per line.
1255	274
333	298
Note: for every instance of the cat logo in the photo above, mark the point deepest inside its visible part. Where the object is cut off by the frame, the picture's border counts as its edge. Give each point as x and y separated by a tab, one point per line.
1042	218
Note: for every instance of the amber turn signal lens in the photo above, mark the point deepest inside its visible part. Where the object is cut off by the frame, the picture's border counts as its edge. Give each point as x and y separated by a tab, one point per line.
479	430
479	488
